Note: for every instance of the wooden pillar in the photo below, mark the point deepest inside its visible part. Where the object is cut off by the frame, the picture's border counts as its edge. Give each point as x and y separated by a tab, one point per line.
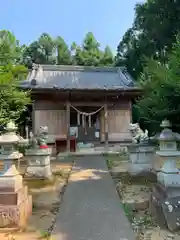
33	117
68	126
130	109
106	126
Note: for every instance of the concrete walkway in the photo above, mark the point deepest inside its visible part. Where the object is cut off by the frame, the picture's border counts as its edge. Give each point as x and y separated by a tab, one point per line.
91	209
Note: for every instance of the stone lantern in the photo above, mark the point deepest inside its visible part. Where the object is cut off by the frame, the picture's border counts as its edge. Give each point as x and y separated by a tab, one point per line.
15	203
167	164
165	199
167	138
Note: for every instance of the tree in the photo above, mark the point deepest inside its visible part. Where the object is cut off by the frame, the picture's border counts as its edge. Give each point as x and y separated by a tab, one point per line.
34	53
161	90
63	52
41	51
88	54
47	44
9	48
130	53
107	57
153	32
47	50
13	101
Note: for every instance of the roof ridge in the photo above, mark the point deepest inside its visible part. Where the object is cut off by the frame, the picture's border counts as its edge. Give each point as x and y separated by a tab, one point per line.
48	67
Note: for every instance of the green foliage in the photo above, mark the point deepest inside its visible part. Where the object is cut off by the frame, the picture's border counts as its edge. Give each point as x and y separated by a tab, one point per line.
107	58
153	32
9	48
47	50
128	211
161	85
63	52
147	50
88	54
13	101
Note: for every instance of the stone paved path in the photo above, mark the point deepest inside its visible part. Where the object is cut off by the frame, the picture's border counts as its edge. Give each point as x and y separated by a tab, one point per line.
91	208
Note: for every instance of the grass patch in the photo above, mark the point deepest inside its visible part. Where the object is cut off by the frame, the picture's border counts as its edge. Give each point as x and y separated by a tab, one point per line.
115	160
128	212
138	221
39	183
127	179
44	235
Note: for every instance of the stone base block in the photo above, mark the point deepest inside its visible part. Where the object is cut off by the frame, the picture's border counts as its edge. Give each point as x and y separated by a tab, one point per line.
10	183
13	198
39	171
158	196
38	160
139	169
165	208
17	215
141	153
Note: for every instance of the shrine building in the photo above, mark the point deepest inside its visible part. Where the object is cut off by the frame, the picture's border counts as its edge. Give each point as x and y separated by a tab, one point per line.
81	104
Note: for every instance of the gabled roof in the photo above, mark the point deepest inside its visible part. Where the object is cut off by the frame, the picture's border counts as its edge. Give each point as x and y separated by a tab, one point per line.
78	77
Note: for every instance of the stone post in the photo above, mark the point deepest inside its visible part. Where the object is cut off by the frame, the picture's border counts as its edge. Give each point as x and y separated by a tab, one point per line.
15	203
165	200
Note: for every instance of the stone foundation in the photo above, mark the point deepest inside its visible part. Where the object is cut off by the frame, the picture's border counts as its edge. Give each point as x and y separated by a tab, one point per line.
15	203
158	196
16	215
166	209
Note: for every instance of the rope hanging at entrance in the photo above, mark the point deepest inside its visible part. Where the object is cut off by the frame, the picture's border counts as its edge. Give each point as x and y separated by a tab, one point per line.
84	114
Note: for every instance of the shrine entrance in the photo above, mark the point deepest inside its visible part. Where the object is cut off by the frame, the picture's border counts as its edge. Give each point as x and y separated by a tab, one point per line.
86	122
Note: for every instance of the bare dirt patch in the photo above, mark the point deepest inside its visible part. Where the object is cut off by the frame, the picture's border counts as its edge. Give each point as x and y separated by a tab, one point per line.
134	194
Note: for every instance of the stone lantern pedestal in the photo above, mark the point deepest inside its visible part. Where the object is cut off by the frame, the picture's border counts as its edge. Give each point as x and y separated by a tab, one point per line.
38	163
15	203
38	156
140	158
140	152
166	193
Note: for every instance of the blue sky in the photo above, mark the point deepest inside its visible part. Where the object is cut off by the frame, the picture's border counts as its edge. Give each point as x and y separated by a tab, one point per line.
71	19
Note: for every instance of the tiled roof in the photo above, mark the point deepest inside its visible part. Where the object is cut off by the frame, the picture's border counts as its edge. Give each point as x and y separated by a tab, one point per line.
78	77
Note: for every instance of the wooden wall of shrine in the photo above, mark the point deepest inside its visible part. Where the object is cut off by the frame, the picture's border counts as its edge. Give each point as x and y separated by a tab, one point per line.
54	115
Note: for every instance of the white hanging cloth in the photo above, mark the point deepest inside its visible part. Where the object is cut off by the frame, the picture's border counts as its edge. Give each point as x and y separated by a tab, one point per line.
89	120
78	118
85	113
